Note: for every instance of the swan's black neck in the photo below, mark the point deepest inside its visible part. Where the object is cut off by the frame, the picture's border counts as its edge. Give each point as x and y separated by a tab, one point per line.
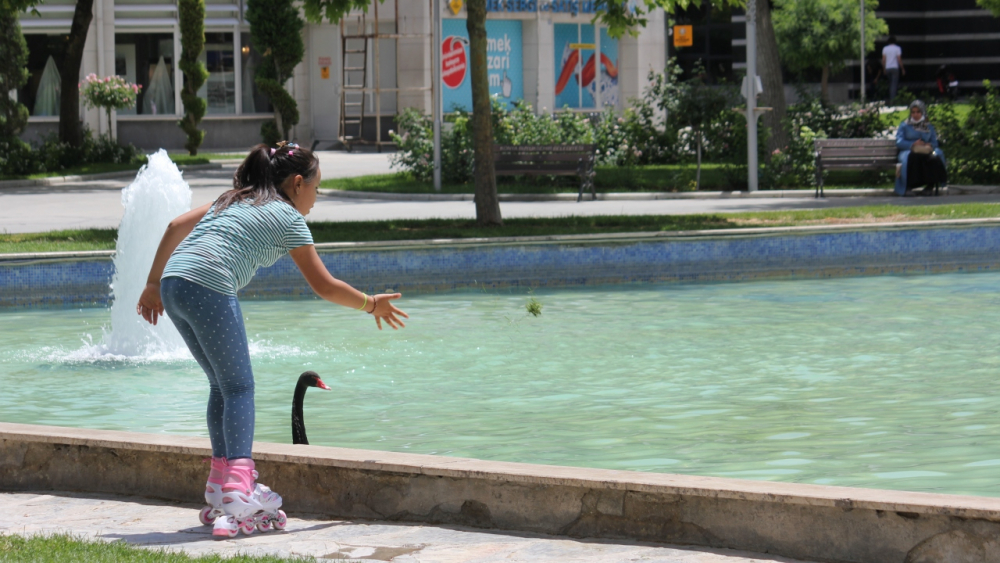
298	425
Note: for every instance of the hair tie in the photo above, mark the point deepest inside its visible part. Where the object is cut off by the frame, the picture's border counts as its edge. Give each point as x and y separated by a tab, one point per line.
272	151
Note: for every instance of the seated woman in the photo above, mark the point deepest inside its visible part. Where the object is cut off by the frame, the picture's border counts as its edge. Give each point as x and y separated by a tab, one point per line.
921	159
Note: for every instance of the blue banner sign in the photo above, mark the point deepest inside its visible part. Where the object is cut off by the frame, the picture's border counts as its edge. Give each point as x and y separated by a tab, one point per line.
503	63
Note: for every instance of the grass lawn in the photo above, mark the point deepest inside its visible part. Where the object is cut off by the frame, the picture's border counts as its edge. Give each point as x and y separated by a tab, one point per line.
895	118
104	239
64	548
656	178
103	168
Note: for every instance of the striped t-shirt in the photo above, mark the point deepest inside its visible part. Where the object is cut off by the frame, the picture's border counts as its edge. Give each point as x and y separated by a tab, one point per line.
224	250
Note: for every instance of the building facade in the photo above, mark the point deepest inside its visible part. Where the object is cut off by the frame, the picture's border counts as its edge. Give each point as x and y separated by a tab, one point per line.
357	74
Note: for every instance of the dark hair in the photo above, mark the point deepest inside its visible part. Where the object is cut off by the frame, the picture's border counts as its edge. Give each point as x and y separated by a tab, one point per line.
892	39
262	173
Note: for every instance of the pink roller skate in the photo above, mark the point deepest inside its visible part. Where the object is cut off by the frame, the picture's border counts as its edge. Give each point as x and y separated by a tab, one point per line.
247	504
213	493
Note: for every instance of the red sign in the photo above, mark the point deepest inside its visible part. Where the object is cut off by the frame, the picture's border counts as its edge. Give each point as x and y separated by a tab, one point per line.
453	61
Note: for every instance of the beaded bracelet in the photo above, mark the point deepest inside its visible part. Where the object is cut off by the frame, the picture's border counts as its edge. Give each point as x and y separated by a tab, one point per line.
374	305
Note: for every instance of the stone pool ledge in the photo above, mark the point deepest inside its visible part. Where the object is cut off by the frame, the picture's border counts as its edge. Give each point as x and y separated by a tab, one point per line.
596	238
813	522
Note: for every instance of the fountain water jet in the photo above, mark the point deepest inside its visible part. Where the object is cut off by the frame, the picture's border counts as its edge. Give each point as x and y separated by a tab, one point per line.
157	195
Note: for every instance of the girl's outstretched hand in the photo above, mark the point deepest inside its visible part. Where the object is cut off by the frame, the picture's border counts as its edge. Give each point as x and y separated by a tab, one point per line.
385	310
150	306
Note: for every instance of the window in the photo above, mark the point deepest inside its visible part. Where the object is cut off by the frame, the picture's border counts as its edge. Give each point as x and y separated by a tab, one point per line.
41	93
586	66
253	100
147	59
220	88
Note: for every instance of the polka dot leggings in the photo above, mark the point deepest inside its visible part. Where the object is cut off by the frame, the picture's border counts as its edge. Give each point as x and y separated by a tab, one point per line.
211	324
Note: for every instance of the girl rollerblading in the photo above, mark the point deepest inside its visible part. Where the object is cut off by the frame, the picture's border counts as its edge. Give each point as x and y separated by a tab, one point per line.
204	258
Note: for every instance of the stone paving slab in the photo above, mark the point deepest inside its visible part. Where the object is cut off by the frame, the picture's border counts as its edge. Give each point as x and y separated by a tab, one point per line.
174	526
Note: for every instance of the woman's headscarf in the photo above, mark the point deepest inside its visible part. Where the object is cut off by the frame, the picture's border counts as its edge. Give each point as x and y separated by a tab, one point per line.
922	124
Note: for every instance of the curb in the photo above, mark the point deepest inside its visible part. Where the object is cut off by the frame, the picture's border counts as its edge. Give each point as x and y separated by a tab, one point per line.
595	238
57	180
620	196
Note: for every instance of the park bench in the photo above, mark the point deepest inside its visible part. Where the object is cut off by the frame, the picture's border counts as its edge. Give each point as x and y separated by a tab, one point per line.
854	154
548	160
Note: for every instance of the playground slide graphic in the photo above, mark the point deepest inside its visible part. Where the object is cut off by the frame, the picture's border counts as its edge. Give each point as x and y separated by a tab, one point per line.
583	73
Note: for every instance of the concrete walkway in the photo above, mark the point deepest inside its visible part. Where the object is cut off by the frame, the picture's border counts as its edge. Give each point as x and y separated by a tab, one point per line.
97	203
175	526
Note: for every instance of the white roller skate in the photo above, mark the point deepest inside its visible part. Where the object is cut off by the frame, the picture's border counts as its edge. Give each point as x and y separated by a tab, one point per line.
213	492
246	504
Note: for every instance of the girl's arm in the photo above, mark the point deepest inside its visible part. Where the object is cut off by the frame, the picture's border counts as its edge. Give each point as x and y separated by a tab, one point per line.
150	305
341	293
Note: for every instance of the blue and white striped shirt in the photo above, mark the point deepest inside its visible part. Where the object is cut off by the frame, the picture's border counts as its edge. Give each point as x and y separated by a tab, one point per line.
224	250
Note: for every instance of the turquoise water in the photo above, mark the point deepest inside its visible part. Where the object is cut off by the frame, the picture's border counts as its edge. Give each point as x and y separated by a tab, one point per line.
886	382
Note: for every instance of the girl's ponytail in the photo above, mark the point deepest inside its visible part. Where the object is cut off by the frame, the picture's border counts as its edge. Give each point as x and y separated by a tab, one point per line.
260	177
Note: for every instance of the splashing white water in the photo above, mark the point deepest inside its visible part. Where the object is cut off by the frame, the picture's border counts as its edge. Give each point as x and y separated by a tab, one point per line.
157	195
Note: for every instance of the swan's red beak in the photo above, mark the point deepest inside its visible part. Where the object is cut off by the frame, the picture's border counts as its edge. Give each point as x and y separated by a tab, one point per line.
321	385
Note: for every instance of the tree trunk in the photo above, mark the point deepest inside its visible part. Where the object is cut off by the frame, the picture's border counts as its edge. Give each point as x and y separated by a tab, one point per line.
697	174
769	68
70	128
825	84
487	205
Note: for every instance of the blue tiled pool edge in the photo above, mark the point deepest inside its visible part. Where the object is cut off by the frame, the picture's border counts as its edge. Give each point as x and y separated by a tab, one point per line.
64	281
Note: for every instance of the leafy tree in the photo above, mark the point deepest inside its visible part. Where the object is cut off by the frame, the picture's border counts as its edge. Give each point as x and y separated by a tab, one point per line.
192	20
13	75
276	29
823	34
690	102
991	5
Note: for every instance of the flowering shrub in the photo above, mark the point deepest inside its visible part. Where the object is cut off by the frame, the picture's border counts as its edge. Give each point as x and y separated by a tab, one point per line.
108	93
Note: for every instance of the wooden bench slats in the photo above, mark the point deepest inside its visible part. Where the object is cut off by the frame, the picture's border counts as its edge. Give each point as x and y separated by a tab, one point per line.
558	157
856	166
529	149
547	160
859	158
834	153
853	154
854	142
534	170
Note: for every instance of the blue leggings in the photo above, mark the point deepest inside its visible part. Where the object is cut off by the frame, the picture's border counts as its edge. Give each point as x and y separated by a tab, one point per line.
211	324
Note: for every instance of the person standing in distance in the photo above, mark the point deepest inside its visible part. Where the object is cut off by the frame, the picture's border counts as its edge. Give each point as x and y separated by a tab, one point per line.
892	64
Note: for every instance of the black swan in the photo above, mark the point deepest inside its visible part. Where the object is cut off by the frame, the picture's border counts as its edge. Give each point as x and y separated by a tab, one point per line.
306	380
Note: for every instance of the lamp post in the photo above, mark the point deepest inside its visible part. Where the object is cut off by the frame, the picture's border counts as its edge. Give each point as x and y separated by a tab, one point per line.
863	66
751	93
436	88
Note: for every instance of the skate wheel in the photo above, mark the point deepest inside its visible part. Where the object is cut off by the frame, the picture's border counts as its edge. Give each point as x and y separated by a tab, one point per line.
226	527
264	525
247	526
205	516
280	522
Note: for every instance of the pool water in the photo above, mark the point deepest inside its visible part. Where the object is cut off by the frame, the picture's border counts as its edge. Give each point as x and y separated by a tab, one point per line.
885	382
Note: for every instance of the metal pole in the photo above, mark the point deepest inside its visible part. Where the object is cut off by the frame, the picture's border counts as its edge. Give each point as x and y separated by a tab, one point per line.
864	67
436	88
752	95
